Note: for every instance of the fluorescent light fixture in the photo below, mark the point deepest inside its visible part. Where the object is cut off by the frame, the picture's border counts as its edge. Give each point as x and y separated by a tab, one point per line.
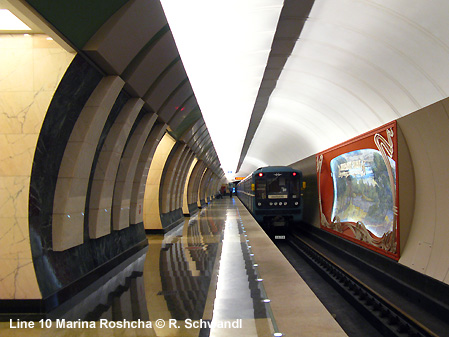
8	21
224	46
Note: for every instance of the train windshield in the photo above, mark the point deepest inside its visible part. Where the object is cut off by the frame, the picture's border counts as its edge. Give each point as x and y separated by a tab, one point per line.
277	186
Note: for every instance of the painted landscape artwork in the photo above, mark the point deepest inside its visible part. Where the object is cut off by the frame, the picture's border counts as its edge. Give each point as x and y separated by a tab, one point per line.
362	190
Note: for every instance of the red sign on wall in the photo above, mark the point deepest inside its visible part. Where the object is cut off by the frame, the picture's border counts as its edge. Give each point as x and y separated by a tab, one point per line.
358	190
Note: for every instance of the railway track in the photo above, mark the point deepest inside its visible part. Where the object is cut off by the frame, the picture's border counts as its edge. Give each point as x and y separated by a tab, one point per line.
386	317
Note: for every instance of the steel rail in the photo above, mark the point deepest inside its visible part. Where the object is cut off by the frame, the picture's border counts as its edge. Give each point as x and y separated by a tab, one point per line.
389	319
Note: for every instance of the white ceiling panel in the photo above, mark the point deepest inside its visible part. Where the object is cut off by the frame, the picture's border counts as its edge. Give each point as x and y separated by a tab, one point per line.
357	65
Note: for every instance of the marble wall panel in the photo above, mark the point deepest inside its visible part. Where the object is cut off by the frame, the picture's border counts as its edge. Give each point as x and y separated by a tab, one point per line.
25	94
17	64
177	181
185	205
176	202
59	270
426	249
210	188
74	173
194	185
200	198
151	206
191	164
205	181
127	170
92	192
140	178
107	167
169	176
214	186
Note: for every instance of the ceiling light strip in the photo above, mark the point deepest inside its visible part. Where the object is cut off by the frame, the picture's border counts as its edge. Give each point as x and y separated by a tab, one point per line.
291	22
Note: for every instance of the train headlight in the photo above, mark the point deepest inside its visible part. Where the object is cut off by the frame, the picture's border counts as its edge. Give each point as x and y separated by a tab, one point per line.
259	204
296	203
275	204
285	203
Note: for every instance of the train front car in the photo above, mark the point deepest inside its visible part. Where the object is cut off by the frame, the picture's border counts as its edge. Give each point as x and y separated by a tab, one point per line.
275	198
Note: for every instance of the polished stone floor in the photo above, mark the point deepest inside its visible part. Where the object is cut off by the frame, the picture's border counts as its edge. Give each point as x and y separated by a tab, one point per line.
208	277
206	272
200	279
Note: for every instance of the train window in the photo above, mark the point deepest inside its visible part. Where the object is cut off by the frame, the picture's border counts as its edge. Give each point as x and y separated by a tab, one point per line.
277	188
294	188
261	186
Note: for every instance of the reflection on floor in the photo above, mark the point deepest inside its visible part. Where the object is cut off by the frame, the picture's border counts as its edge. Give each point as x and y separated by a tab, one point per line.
206	275
200	279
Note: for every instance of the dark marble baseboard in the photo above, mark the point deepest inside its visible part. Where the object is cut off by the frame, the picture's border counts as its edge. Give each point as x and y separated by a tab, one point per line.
171	219
99	278
39	308
154	231
21	309
193	208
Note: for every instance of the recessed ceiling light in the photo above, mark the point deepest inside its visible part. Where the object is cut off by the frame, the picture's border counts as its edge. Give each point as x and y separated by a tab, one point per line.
8	21
224	48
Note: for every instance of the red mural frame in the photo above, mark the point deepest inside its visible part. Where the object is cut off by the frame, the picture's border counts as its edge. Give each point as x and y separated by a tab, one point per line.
384	136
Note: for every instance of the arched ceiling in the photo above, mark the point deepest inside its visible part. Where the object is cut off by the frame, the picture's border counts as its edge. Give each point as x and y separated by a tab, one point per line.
275	81
355	65
132	40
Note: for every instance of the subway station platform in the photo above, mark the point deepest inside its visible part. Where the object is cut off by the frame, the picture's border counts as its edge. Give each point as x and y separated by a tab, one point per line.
218	274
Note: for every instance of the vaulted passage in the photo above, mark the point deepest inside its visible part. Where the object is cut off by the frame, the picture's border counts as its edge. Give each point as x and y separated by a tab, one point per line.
125	125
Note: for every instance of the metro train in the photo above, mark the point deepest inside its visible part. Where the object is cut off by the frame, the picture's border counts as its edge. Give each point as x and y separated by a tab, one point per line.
272	194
